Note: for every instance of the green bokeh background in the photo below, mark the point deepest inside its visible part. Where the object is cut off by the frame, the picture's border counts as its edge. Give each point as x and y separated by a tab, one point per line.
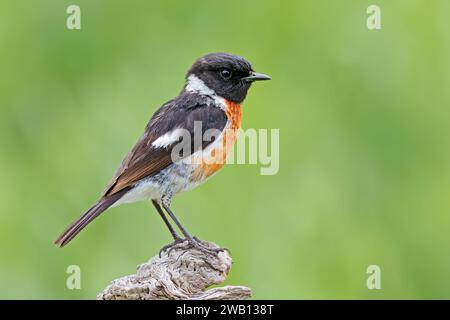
364	143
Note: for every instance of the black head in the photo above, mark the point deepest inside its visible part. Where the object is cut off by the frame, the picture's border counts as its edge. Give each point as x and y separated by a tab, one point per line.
227	75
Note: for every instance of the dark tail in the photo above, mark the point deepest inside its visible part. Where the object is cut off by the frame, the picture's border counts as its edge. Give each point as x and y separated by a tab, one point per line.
78	225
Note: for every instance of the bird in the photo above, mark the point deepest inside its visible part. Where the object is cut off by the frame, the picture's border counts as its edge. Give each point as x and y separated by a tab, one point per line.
166	161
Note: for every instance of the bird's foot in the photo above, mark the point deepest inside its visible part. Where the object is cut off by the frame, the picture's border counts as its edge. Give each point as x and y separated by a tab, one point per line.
193	242
204	247
169	247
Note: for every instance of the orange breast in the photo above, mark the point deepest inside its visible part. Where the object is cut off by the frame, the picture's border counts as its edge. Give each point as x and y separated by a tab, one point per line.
216	157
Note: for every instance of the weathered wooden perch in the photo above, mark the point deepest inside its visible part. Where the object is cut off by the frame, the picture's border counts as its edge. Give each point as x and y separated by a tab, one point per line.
183	272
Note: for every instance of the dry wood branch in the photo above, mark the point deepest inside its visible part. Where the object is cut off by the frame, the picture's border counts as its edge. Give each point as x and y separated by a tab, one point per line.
182	273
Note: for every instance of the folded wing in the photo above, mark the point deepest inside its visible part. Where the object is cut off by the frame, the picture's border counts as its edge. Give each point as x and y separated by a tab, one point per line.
147	157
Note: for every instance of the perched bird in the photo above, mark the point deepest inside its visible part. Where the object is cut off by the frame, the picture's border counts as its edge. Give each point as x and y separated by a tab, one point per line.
166	160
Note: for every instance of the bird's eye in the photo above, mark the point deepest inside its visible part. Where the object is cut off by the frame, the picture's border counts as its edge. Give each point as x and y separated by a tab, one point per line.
225	74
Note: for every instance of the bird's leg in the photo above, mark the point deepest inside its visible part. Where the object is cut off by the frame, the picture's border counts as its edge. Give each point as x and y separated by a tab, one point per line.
195	242
165	201
177	239
174	234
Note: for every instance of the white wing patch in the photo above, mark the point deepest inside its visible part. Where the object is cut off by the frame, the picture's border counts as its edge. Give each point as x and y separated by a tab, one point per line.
168	138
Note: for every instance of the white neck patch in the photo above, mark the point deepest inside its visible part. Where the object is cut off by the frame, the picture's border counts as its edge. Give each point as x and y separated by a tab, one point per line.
194	84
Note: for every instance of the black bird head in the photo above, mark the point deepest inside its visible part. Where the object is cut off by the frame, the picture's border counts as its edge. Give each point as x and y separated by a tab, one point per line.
225	75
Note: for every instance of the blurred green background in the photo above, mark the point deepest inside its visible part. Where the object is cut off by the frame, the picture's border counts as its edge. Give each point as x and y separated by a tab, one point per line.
364	143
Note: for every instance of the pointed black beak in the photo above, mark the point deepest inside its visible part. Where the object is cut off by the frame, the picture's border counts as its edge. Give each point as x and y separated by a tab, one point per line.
254	76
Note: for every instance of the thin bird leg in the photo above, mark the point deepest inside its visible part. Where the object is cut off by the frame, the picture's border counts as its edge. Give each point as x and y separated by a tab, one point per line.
174	234
177	222
195	242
